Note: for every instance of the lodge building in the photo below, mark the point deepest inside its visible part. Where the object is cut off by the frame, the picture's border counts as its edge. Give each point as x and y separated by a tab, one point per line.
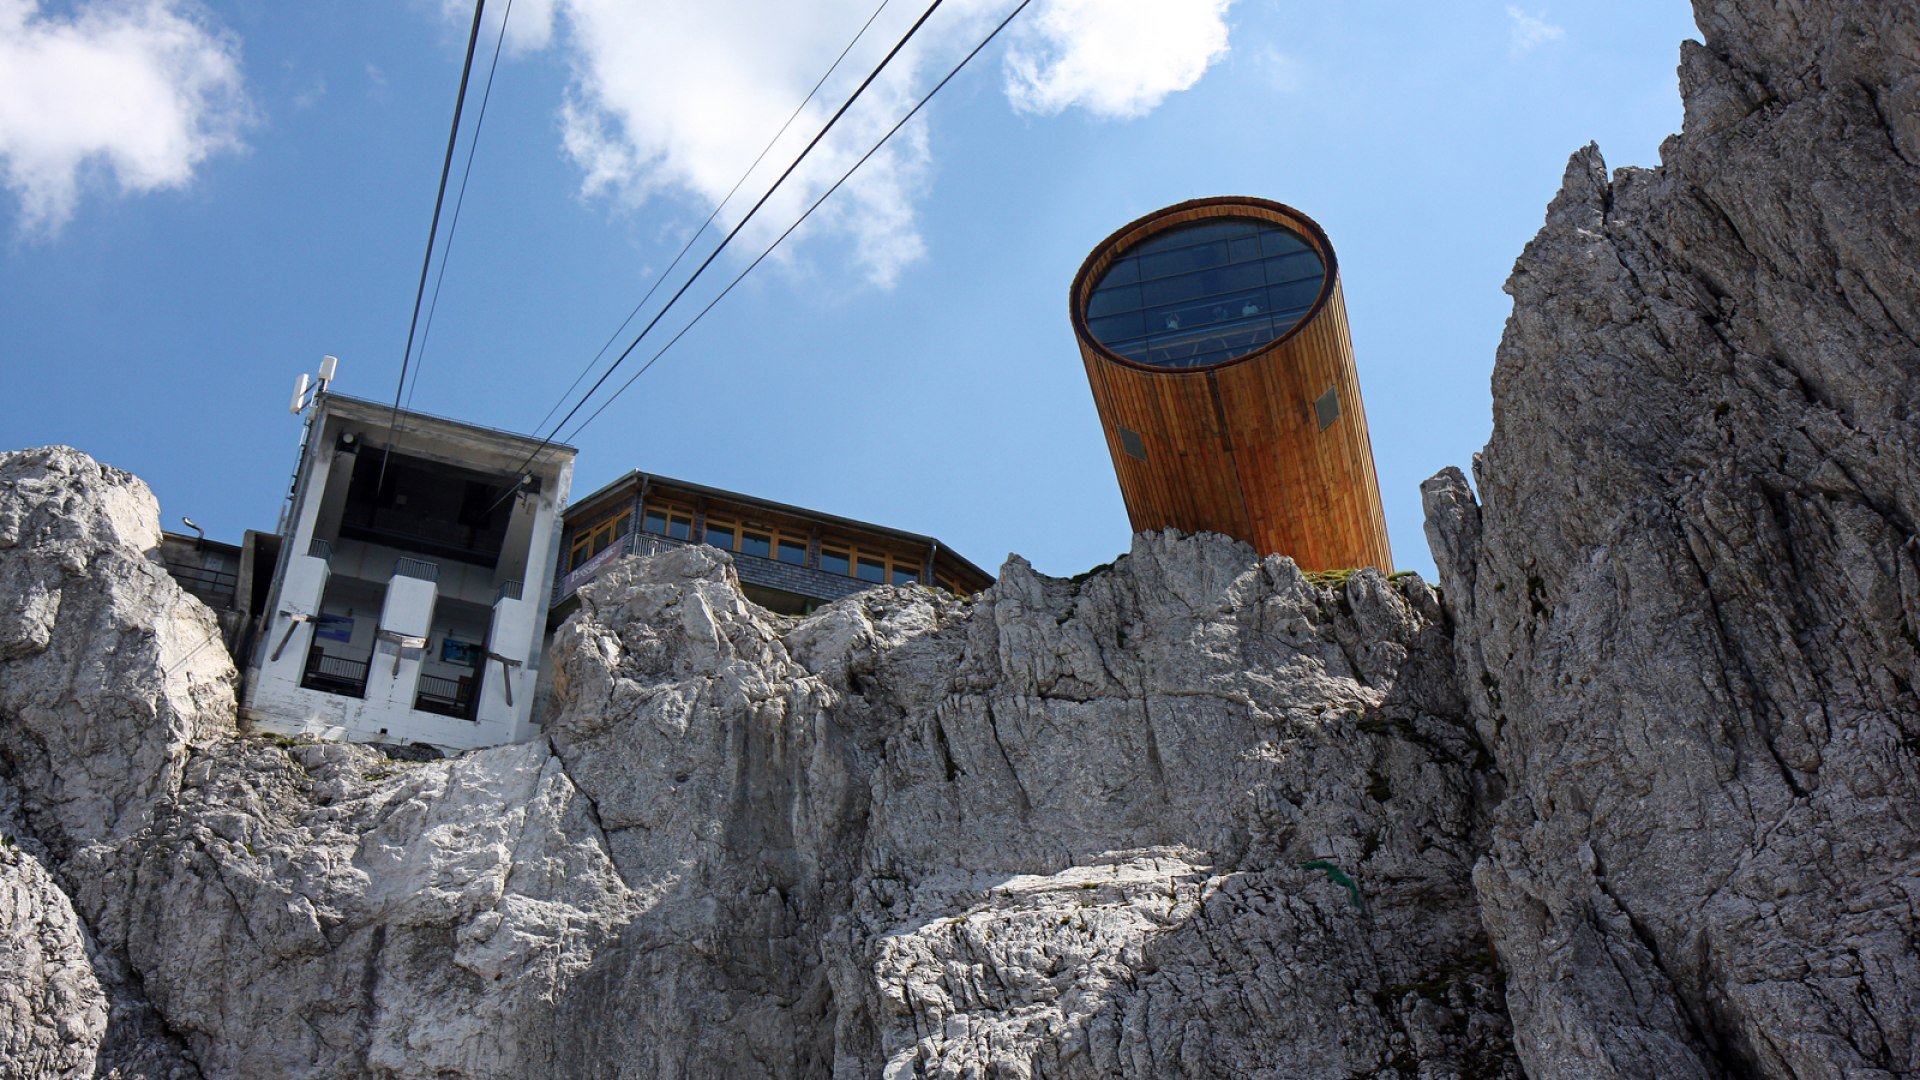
789	559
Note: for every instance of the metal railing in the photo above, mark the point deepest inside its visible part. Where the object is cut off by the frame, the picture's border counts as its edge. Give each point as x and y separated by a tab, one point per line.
331	674
417	568
216	587
445	697
633	543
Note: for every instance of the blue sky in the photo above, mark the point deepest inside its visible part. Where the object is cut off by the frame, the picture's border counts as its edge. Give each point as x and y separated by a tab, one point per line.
199	199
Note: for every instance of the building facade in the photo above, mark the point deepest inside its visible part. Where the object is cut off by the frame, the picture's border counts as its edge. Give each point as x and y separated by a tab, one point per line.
409	600
1215	339
789	559
232	580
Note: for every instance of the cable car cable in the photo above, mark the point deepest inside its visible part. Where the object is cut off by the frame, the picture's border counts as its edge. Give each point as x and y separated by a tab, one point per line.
688	246
547	440
453	228
433	231
803	217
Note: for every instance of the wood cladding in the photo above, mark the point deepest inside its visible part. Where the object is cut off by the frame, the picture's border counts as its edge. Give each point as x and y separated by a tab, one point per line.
1240	447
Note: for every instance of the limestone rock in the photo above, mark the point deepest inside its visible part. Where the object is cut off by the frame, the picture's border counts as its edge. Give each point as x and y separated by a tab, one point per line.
325	910
53	1013
1191	816
109	672
1687	596
1194	814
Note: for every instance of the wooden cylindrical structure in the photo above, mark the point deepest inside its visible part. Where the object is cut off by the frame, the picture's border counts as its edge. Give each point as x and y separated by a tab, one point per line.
1216	342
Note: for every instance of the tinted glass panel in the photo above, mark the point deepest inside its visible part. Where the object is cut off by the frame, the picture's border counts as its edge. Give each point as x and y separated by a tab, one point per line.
793	551
720	535
680	528
872	569
835	562
655	522
753	543
1115	298
1130	325
1206	293
904	576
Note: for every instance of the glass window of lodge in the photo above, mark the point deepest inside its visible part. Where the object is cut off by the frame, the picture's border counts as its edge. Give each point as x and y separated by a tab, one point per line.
755	542
668	521
591	542
835	560
720	533
871	568
793	551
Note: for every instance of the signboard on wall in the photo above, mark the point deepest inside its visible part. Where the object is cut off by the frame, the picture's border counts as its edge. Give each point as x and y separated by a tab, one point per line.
463	653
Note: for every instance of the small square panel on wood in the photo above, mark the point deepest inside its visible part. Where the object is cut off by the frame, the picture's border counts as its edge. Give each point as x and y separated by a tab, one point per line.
1327	408
1132	443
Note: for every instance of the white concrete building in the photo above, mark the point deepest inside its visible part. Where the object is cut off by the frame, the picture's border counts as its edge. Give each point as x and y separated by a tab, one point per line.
409	602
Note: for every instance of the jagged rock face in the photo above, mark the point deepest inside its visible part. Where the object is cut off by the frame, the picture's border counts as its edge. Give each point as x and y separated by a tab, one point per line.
110	676
1688	599
53	1013
1074	829
109	672
325	911
1193	815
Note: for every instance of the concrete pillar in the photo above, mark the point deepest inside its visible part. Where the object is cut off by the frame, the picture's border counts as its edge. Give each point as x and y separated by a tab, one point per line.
300	536
544	534
289	637
515	634
333	502
406	619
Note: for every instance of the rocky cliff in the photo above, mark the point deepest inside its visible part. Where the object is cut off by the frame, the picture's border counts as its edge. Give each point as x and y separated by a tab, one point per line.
1638	798
1193	815
1688	597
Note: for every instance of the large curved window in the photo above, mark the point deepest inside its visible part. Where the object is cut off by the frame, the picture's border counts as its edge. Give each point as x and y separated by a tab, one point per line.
1205	293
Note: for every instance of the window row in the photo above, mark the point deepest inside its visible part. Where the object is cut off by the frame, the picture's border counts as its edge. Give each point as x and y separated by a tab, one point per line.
756	540
881	568
781	545
1280	307
1304	267
598	539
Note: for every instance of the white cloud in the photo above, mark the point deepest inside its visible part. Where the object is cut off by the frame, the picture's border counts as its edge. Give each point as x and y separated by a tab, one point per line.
1285	73
311	94
1528	32
529	26
1114	58
674	100
142	89
677	100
